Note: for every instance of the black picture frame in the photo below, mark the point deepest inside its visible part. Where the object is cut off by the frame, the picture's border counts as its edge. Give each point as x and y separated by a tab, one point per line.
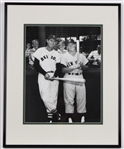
119	79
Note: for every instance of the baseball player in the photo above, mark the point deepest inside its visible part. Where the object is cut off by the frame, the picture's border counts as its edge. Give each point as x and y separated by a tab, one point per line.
73	64
47	63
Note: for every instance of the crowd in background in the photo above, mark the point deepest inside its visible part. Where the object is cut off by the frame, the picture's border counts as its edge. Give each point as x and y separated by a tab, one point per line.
94	57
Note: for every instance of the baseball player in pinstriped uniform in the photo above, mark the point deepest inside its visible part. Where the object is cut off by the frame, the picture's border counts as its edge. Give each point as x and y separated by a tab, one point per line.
73	64
47	63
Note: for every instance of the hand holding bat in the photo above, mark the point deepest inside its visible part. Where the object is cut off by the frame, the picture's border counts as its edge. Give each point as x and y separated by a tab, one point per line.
51	78
47	76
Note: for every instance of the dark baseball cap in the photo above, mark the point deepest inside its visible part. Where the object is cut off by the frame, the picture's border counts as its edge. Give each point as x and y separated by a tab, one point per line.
51	37
70	41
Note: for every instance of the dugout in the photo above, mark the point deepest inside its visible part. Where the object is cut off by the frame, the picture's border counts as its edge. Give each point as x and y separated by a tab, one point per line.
86	37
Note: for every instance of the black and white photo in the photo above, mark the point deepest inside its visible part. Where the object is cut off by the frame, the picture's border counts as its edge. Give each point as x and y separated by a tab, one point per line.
62	75
63	52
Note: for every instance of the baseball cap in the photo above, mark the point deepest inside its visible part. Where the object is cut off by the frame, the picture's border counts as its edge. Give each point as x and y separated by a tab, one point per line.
70	41
51	37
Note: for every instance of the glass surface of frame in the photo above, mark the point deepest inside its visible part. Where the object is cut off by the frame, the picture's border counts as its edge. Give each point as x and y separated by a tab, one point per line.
86	111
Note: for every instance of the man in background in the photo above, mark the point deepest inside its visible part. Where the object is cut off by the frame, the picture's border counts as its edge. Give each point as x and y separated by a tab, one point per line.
29	52
95	56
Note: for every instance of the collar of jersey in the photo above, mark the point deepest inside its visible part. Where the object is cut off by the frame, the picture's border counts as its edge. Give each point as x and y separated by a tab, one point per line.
50	51
72	55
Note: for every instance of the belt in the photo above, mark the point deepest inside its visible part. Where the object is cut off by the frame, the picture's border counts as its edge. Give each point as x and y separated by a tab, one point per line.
74	73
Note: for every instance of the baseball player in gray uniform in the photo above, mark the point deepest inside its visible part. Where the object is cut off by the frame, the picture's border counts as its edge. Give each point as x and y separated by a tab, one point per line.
47	63
73	64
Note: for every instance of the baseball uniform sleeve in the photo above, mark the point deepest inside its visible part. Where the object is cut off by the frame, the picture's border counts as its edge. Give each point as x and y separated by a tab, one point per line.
58	66
84	59
58	70
38	68
37	54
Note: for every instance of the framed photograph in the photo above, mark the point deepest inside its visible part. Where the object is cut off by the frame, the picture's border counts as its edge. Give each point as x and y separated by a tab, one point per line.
62	75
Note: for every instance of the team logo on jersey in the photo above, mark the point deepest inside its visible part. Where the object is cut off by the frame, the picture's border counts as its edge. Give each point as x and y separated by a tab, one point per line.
71	63
46	57
54	58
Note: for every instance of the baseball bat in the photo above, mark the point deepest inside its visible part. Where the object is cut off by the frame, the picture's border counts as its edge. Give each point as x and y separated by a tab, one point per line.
70	79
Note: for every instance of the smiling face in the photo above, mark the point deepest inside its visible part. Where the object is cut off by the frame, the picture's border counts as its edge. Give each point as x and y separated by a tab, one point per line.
35	44
61	45
71	47
51	43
